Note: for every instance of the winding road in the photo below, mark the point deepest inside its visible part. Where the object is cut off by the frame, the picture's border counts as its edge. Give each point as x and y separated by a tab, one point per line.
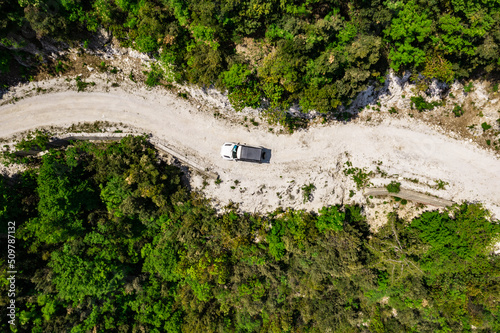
403	148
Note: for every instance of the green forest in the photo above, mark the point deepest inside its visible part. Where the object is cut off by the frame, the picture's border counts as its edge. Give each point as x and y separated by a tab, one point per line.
317	53
108	239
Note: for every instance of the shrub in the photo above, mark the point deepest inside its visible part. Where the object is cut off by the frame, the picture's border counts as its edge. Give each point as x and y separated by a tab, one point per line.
359	176
437	67
154	76
60	67
40	140
459	240
82	85
440	184
131	76
393	187
458	111
468	87
330	218
307	192
485	126
292	123
102	66
420	104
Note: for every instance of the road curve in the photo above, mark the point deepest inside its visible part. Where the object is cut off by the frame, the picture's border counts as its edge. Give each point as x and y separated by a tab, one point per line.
405	149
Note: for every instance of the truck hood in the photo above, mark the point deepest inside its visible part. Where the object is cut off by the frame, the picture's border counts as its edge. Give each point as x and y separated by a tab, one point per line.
226	150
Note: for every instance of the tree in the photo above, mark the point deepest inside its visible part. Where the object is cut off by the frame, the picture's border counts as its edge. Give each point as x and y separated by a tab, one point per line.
408	32
65	196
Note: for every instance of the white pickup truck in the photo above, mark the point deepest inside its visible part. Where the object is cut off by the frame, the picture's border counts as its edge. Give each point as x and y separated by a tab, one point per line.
236	152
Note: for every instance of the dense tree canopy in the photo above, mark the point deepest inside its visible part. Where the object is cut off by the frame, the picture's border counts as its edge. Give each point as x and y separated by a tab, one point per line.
319	53
108	239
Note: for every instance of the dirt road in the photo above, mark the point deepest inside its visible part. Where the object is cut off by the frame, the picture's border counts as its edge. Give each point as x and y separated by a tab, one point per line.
403	149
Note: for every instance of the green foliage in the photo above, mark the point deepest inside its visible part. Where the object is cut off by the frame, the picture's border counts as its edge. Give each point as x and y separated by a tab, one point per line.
395	253
440	184
458	110
318	54
276	245
468	87
60	67
110	225
236	76
307	192
63	200
242	89
82	85
39	141
292	123
359	176
408	32
420	104
204	64
439	68
76	277
485	126
457	242
103	67
154	76
330	218
393	187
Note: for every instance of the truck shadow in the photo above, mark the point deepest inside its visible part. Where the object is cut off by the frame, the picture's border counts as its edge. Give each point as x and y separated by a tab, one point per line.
267	155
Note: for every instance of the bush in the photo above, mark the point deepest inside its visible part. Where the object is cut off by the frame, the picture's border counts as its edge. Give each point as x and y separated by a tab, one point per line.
82	85
468	87
439	68
330	218
60	67
420	104
360	176
458	111
393	187
307	192
440	184
288	121
155	75
457	239
485	126
40	141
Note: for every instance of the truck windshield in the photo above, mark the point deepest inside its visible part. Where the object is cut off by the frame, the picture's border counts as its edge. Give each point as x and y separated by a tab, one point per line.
235	149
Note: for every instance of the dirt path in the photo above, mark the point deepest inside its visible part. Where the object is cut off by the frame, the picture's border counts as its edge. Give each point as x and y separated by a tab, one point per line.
405	150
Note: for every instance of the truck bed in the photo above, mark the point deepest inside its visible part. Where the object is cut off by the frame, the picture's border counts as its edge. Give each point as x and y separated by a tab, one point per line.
247	153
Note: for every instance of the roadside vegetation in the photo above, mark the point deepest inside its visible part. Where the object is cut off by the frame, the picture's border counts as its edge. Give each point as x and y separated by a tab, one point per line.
319	54
108	239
